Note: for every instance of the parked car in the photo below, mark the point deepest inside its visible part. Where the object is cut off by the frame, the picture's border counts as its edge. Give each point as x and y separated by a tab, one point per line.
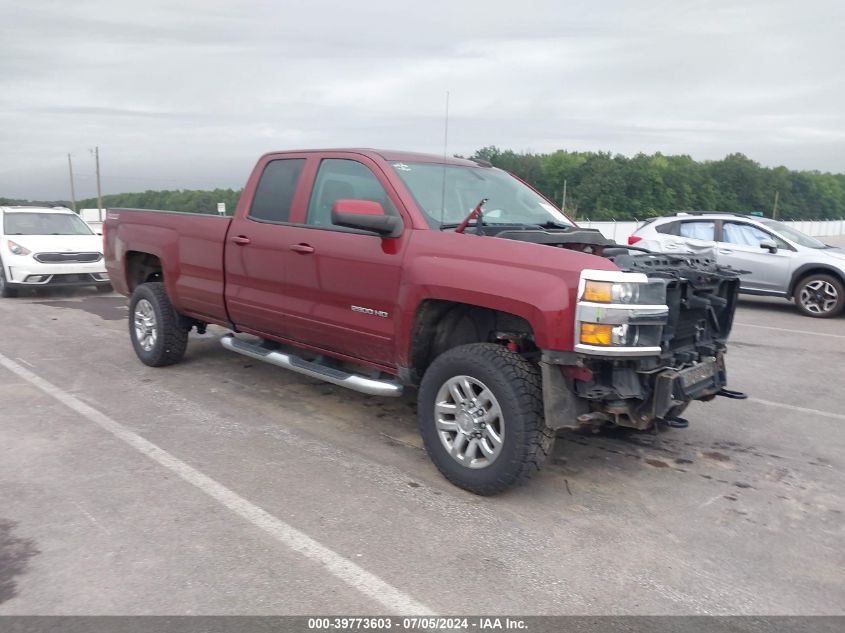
780	261
47	247
381	271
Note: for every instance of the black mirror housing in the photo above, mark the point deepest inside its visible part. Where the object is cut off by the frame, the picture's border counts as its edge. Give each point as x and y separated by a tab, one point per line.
384	225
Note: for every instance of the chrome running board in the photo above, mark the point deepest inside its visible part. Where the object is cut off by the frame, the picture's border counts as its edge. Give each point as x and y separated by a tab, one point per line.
313	369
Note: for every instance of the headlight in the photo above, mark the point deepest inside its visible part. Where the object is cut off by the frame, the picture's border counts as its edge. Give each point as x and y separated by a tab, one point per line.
17	249
620	314
641	293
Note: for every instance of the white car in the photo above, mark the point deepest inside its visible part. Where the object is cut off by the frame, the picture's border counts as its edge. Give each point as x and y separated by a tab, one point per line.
41	247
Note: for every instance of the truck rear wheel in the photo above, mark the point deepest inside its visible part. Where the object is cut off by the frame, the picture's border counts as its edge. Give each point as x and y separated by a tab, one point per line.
481	417
154	327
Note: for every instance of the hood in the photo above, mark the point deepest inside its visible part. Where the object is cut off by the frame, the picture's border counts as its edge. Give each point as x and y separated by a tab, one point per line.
837	252
59	243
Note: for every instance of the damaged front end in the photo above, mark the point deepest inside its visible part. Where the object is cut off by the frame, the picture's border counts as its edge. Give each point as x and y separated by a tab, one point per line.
649	339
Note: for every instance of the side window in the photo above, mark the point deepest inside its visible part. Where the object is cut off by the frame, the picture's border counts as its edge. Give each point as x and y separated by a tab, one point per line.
747	235
343	179
275	190
670	228
699	230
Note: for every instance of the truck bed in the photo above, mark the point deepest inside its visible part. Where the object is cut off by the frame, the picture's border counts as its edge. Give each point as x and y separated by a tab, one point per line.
189	245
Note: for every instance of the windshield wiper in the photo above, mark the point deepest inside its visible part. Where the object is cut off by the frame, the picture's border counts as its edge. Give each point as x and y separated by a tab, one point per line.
477	215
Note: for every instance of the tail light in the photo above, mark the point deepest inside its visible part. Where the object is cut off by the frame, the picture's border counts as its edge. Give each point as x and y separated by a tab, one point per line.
633	239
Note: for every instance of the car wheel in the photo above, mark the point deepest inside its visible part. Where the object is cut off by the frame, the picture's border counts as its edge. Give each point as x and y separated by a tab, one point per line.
6	291
154	327
481	418
821	296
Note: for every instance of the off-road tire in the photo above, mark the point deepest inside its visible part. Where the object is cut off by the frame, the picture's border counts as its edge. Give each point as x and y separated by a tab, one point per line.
171	340
517	386
6	291
834	281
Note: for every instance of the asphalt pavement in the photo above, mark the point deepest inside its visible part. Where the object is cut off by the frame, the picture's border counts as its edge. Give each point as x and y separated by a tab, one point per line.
225	486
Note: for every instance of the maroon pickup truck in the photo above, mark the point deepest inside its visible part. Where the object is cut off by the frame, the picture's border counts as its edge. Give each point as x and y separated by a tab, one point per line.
382	270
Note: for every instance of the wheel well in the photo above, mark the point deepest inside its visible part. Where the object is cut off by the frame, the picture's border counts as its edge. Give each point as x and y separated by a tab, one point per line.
802	274
442	325
141	268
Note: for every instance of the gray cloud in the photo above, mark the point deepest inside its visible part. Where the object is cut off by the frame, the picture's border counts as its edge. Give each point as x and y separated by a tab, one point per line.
188	94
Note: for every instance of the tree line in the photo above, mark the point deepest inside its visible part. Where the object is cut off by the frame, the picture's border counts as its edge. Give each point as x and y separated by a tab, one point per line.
186	200
599	186
603	186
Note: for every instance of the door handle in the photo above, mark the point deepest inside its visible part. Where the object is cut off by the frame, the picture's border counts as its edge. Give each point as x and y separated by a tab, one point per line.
725	251
240	240
302	248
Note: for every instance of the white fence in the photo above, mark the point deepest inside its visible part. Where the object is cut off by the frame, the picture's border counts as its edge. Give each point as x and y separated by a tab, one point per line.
619	231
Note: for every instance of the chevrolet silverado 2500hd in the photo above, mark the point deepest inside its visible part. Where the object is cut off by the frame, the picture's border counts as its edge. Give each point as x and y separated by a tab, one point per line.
380	270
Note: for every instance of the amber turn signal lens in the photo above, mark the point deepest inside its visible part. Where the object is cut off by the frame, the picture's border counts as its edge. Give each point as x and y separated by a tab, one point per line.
598	291
596	334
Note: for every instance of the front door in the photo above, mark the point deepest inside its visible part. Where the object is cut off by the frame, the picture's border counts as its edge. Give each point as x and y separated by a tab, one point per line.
740	248
343	284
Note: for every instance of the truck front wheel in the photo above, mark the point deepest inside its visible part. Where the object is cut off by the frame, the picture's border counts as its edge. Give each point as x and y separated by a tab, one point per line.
481	417
154	327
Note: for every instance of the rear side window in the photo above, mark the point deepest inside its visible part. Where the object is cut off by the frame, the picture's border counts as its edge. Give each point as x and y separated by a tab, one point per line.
670	228
274	194
699	230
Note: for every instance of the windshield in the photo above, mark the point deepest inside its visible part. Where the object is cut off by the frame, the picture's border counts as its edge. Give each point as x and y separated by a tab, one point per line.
44	224
447	202
793	234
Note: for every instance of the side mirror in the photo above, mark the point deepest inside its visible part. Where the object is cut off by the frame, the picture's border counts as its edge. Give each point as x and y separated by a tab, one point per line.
365	215
769	245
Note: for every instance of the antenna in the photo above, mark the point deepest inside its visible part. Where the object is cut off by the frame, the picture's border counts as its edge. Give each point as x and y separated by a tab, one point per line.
445	145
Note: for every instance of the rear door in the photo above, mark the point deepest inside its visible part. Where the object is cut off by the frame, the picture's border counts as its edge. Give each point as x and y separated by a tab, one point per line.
739	247
257	246
343	284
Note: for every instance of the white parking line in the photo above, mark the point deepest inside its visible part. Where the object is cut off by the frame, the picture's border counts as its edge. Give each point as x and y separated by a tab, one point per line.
792	407
783	329
393	599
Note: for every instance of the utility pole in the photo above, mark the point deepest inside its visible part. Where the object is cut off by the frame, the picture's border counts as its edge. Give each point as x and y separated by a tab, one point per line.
99	191
72	191
563	203
775	208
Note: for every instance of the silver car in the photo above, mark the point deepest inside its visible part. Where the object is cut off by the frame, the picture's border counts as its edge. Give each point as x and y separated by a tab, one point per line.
781	261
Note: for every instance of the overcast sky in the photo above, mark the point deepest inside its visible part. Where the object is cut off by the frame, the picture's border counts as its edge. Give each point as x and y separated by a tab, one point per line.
186	94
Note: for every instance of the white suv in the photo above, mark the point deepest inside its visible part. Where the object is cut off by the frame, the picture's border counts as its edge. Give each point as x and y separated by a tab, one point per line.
780	261
42	247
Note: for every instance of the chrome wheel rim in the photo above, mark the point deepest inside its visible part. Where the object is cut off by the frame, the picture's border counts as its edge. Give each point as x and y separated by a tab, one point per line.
469	422
819	296
145	325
